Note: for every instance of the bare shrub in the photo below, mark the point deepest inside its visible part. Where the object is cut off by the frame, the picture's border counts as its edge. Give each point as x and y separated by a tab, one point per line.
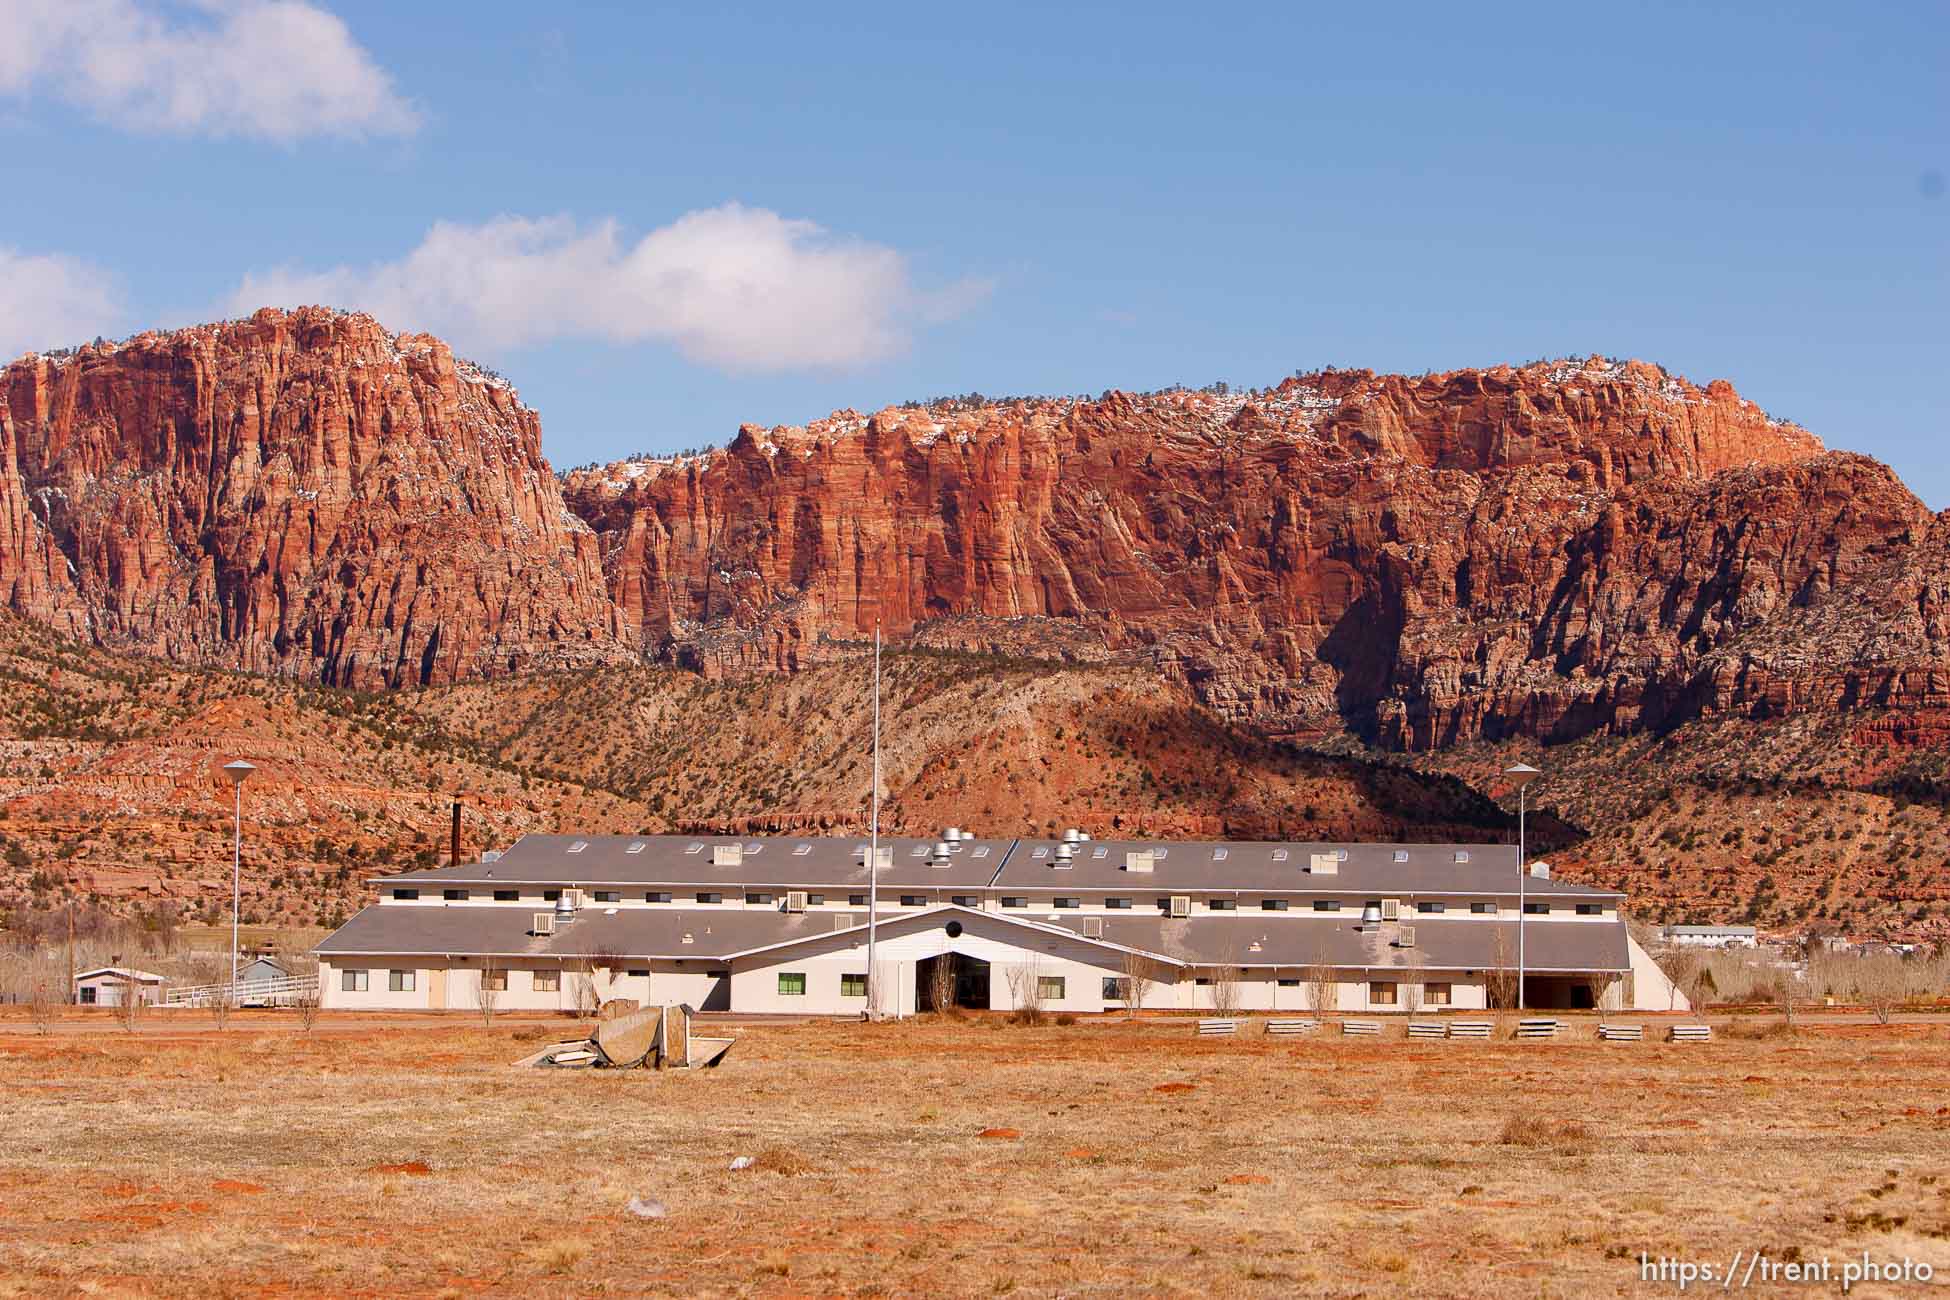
130	1011
941	984
223	999
1682	969
1026	994
1500	978
1598	985
1323	987
1411	983
487	996
1141	973
1881	984
1227	988
306	1003
40	1005
783	1161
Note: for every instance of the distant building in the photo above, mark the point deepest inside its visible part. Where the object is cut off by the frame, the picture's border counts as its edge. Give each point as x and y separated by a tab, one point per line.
1712	936
259	970
108	986
780	925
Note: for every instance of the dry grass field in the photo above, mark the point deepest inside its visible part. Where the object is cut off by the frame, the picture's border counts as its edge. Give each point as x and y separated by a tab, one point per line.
954	1157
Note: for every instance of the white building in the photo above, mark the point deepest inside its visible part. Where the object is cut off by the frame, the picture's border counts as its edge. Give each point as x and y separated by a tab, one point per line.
1712	936
780	925
108	986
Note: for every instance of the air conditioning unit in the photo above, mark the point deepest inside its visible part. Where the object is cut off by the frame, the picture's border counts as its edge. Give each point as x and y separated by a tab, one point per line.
1140	860
727	855
542	923
1181	904
1391	909
574	898
1093	927
1405	937
795	900
1324	864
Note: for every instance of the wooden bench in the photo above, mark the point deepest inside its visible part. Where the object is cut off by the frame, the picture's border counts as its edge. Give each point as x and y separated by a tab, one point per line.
1690	1034
1537	1027
1217	1028
1300	1026
1469	1029
1371	1028
1427	1029
1621	1033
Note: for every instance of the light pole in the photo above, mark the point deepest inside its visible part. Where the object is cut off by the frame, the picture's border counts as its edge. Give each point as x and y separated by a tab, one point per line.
238	772
1523	774
873	843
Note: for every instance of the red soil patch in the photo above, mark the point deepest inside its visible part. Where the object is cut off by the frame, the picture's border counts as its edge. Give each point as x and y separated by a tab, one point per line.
1079	1153
1242	1180
232	1185
1008	1134
417	1168
1174	1087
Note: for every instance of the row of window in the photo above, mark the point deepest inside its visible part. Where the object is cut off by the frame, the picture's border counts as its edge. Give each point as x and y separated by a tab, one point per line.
1011	901
792	984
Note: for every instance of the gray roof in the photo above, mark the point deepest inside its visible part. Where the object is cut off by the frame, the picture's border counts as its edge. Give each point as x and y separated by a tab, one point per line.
481	930
1368	869
1460	943
830	862
838	862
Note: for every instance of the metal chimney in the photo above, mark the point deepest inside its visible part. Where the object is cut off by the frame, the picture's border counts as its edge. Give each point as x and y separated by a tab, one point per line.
453	856
1371	916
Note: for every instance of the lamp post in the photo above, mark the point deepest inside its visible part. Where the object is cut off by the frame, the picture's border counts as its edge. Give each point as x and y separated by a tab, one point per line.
1523	774
238	772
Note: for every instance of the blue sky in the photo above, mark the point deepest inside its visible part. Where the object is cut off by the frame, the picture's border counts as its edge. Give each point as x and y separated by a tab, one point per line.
661	224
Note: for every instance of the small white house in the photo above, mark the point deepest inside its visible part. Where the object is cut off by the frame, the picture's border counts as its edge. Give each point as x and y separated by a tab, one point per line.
1712	936
108	986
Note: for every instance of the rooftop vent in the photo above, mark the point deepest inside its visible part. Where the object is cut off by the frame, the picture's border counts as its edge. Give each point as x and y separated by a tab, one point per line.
578	846
1371	916
1279	855
942	849
1139	860
635	848
1462	855
1401	855
801	850
1323	864
1181	905
1541	870
1072	835
727	855
1218	855
1093	927
694	847
542	923
953	835
490	855
1405	937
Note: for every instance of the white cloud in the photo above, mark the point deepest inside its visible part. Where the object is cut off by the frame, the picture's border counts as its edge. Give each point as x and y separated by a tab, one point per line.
739	288
273	69
53	302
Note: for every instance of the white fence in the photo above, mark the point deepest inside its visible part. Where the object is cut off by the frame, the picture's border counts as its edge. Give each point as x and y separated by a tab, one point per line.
286	992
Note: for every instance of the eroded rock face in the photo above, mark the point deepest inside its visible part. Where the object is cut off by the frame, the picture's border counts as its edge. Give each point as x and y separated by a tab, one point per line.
300	493
1550	551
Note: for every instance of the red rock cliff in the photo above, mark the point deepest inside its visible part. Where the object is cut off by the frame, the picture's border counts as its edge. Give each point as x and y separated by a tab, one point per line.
300	493
1548	550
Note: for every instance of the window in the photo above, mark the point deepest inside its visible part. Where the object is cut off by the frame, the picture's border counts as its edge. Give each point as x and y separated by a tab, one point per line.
853	986
1049	988
1431	909
578	846
401	981
1218	855
1381	994
639	974
609	896
965	900
856	900
1327	905
1100	852
353	981
636	847
1113	989
657	896
551	895
1118	904
755	900
1221	904
1202	980
1401	855
494	981
548	981
1537	909
406	893
1279	855
1164	905
710	896
792	984
1436	994
815	900
1012	901
1482	909
454	895
914	900
1066	902
1591	909
1272	905
1289	983
1462	855
507	895
801	850
88	996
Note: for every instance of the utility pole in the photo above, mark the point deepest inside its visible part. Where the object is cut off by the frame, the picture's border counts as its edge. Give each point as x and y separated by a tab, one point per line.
873	843
1524	774
238	772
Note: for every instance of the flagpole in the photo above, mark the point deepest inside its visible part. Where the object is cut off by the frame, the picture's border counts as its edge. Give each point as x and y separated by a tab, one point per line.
873	843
